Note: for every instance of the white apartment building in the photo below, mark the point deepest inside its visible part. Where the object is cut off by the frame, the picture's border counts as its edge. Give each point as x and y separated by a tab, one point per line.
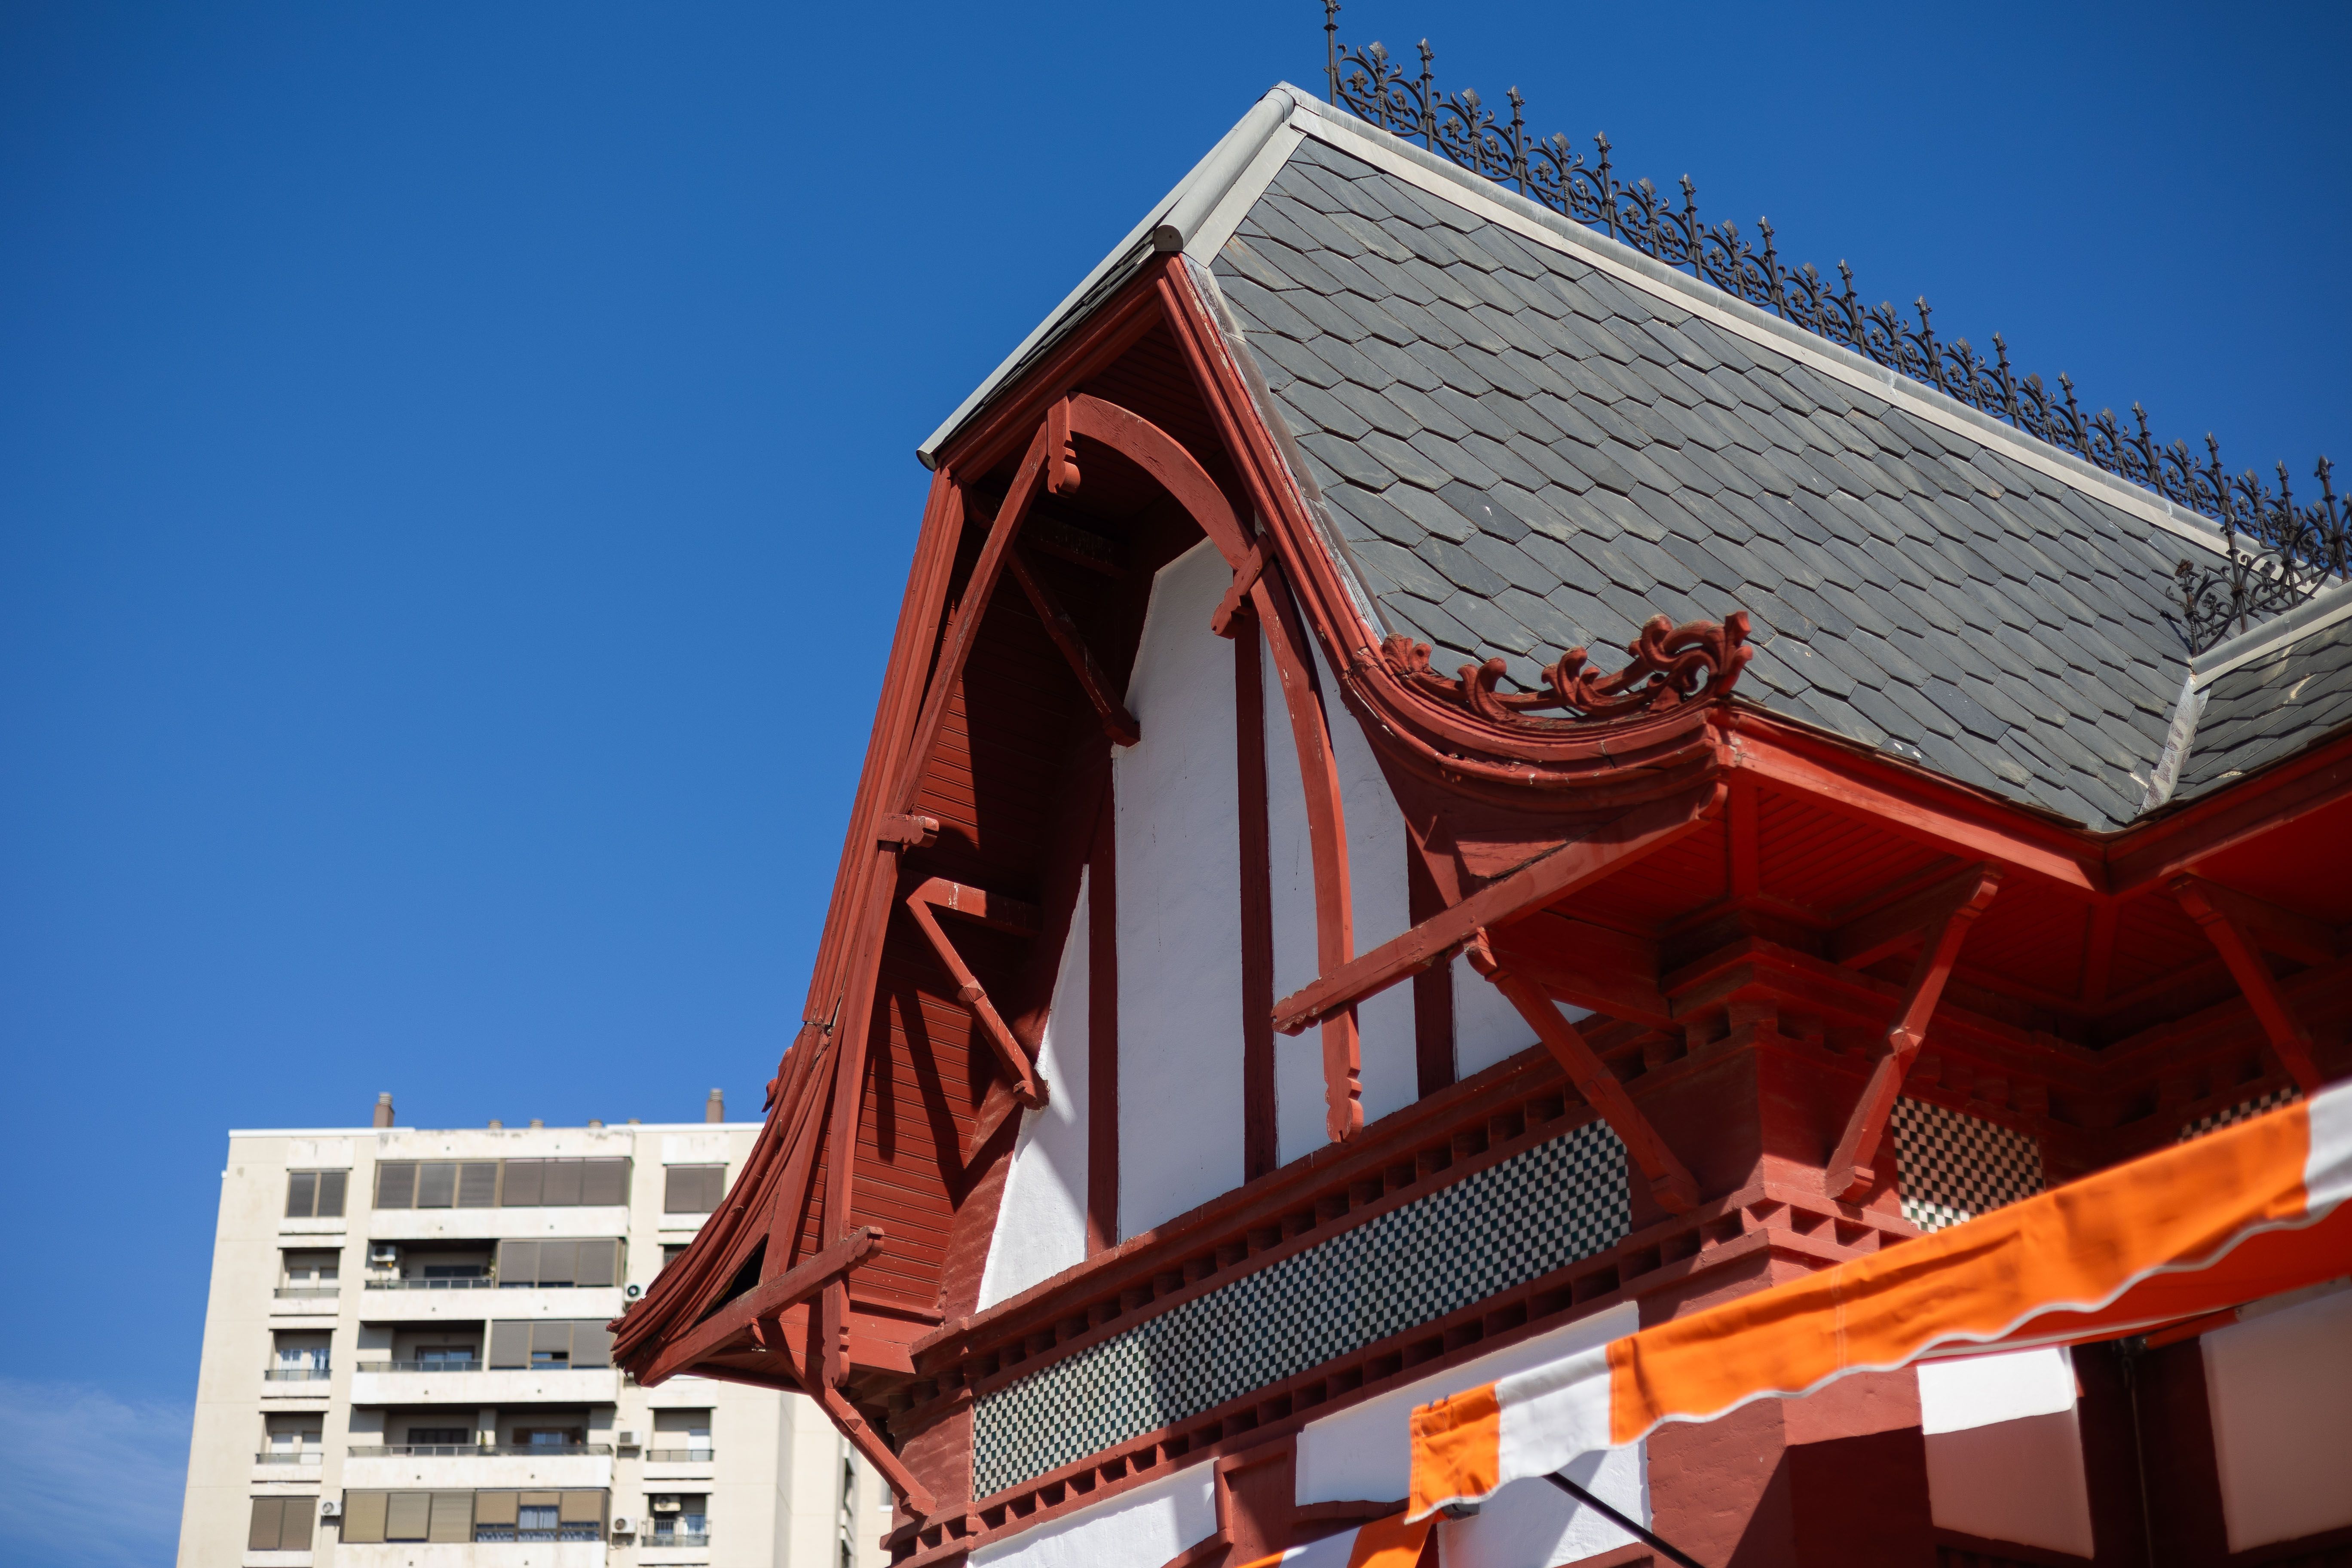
406	1364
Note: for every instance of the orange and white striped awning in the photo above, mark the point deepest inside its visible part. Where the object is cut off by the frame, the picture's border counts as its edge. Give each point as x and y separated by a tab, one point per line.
2241	1214
1388	1543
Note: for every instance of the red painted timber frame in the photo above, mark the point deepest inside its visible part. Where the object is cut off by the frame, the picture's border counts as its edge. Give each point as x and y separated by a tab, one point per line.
1645	772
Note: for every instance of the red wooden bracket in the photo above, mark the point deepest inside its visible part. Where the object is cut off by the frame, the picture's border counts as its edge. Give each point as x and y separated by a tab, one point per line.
824	1367
1671	1181
1117	721
1947	916
769	1299
1061	456
1225	620
1027	1086
2223	915
898	831
1572	865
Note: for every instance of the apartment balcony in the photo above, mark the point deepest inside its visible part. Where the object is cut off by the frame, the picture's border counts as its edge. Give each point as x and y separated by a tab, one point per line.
680	1549
296	1381
300	1467
469	1383
507	1467
305	1301
471	1301
678	1465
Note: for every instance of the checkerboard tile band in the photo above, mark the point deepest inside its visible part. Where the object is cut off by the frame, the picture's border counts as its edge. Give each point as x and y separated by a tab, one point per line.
1951	1166
2212	1121
1513	1222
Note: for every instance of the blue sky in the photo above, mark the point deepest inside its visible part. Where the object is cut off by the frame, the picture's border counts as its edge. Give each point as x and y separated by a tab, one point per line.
456	476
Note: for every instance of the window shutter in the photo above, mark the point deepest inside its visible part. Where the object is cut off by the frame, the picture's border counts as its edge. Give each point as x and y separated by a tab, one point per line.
517	1263
509	1345
525	1180
261	1533
453	1517
301	1195
597	1263
395	1184
436	1184
294	1534
407	1516
554	1335
592	1344
362	1518
604	1181
494	1507
330	1192
539	1500
582	1507
563	1183
555	1262
477	1184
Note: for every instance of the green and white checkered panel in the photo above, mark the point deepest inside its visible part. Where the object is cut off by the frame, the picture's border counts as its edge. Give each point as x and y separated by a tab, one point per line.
1951	1166
1513	1222
2214	1121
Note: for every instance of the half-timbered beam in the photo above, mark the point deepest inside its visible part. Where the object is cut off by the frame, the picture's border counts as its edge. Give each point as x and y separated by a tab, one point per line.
2241	949
1575	864
1670	1181
1852	1170
1117	721
939	893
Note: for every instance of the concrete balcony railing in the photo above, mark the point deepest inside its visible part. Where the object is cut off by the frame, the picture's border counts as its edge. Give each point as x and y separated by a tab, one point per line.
289	1455
306	1292
678	1456
395	1382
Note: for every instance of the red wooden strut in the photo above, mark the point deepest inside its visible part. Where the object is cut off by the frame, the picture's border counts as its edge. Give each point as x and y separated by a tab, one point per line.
1948	911
2228	929
1671	1181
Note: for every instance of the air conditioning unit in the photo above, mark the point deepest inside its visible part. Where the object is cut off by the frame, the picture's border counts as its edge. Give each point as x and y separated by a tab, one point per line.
623	1527
329	1507
384	1254
666	1505
624	1439
634	1291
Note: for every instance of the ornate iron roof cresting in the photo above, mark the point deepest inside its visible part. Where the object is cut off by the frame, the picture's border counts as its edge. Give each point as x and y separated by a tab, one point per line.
2305	544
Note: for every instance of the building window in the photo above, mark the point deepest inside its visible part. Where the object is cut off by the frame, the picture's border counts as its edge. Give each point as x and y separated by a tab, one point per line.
681	1437
280	1525
679	1519
557	1264
315	1194
291	1439
499	1184
310	1274
692	1189
553	1344
300	1358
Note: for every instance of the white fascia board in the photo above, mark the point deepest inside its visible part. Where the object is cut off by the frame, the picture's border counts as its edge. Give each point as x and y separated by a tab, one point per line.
1530	220
1176	211
608	1127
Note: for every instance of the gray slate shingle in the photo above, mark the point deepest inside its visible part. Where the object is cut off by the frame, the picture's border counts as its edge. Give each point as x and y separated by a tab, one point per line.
1524	451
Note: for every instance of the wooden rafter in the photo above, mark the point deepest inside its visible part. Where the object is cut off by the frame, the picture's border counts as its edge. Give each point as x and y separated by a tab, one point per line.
2240	928
1575	864
1117	721
1944	914
1006	914
1670	1181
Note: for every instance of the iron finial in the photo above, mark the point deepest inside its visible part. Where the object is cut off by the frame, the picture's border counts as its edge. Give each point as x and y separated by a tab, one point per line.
1331	45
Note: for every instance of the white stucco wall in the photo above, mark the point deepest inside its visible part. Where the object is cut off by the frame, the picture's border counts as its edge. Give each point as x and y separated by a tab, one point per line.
1365	1452
1041	1226
2279	1385
1378	901
1179	896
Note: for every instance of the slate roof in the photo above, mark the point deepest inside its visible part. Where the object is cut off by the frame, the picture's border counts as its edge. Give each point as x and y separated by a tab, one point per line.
1524	454
2270	708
